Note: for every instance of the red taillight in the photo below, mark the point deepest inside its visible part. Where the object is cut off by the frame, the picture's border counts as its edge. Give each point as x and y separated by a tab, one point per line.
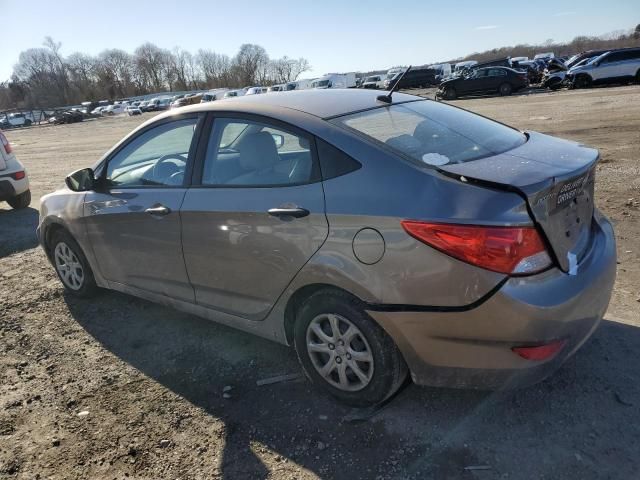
541	352
5	143
19	175
515	250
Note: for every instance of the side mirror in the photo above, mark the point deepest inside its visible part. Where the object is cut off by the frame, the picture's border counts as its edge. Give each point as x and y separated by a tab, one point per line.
81	180
279	139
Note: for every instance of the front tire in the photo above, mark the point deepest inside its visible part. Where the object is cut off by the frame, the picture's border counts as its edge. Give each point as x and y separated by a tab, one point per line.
71	265
20	201
345	352
449	93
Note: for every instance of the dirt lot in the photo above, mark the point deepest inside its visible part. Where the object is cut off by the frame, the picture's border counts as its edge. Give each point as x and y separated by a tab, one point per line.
151	379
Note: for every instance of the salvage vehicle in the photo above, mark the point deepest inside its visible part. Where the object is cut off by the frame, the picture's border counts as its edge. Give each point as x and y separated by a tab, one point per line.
374	81
335	80
500	80
15	120
133	110
377	234
615	66
234	93
414	78
14	182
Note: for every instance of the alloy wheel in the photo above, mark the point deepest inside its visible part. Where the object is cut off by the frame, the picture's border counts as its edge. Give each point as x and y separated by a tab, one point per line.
68	266
339	352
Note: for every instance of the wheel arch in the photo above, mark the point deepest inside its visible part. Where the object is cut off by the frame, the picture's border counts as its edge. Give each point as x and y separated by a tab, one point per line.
298	297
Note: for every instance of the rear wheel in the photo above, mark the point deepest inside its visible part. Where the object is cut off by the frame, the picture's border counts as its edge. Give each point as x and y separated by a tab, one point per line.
20	201
638	77
505	89
71	265
582	81
345	352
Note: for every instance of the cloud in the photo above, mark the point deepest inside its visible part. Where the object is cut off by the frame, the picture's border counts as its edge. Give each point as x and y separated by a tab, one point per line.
564	14
487	27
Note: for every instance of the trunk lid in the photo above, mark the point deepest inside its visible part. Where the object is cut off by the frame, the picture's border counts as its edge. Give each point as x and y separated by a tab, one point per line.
557	179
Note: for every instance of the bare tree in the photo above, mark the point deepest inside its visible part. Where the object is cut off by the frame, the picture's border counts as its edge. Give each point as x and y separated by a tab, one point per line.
251	64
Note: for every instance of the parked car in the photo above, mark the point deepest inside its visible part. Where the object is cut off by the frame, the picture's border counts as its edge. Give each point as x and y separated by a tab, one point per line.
14	182
414	78
373	81
234	93
15	120
277	88
157	104
544	56
490	267
500	80
66	116
98	110
115	109
255	90
616	66
213	95
132	110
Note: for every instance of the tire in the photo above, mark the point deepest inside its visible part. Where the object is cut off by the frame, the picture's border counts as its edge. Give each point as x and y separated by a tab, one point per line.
638	77
20	201
505	89
381	368
67	256
582	81
27	123
449	93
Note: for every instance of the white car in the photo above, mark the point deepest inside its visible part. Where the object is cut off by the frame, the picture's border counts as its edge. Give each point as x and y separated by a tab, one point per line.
15	120
133	110
14	183
114	109
616	66
256	90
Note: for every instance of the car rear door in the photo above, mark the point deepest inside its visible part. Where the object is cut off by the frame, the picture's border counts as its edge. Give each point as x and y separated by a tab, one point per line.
254	215
133	220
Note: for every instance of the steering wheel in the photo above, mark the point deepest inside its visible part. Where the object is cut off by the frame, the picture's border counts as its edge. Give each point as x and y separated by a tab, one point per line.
161	174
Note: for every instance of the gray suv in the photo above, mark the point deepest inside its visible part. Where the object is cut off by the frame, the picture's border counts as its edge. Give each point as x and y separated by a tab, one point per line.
378	237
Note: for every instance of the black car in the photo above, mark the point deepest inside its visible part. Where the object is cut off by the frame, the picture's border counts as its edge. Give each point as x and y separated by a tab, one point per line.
500	80
414	78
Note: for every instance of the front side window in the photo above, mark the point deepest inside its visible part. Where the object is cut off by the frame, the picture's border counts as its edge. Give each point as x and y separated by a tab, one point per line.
496	72
432	133
157	157
247	153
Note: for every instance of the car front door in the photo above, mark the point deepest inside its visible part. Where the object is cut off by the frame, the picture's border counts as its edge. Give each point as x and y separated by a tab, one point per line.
254	215
495	77
133	220
475	82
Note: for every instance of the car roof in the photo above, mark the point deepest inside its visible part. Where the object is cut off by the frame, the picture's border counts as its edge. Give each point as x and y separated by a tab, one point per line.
325	103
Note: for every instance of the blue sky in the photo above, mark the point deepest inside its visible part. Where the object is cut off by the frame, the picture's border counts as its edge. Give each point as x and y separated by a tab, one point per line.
333	35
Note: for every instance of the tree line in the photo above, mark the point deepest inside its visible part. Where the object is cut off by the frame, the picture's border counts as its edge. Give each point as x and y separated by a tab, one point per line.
619	39
44	78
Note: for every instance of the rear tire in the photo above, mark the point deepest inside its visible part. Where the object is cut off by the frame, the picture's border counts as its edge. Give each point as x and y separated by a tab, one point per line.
638	77
20	201
345	352
582	81
71	265
505	89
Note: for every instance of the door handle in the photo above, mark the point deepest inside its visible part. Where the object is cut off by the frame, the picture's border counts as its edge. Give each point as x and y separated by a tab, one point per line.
158	210
296	212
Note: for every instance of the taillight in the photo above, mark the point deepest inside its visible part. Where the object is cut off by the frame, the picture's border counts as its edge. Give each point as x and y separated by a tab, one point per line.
18	175
510	250
5	143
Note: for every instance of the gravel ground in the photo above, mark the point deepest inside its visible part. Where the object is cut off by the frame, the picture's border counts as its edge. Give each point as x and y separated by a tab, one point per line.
118	387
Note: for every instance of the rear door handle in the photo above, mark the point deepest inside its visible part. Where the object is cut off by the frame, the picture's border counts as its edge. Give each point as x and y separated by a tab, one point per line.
296	212
158	210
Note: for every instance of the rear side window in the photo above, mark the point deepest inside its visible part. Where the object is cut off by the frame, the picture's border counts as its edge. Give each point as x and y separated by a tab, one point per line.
334	162
432	133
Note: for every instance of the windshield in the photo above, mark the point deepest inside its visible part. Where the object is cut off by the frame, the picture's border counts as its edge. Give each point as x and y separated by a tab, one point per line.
372	79
322	83
434	134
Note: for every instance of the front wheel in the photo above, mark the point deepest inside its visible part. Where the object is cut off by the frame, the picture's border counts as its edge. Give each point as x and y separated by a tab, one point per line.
449	93
345	352
582	81
20	201
71	265
505	89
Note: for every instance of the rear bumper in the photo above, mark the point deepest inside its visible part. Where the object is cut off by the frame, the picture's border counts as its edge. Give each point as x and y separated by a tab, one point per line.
9	187
472	348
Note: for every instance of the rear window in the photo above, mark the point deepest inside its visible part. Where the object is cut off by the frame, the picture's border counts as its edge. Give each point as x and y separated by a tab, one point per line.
432	133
